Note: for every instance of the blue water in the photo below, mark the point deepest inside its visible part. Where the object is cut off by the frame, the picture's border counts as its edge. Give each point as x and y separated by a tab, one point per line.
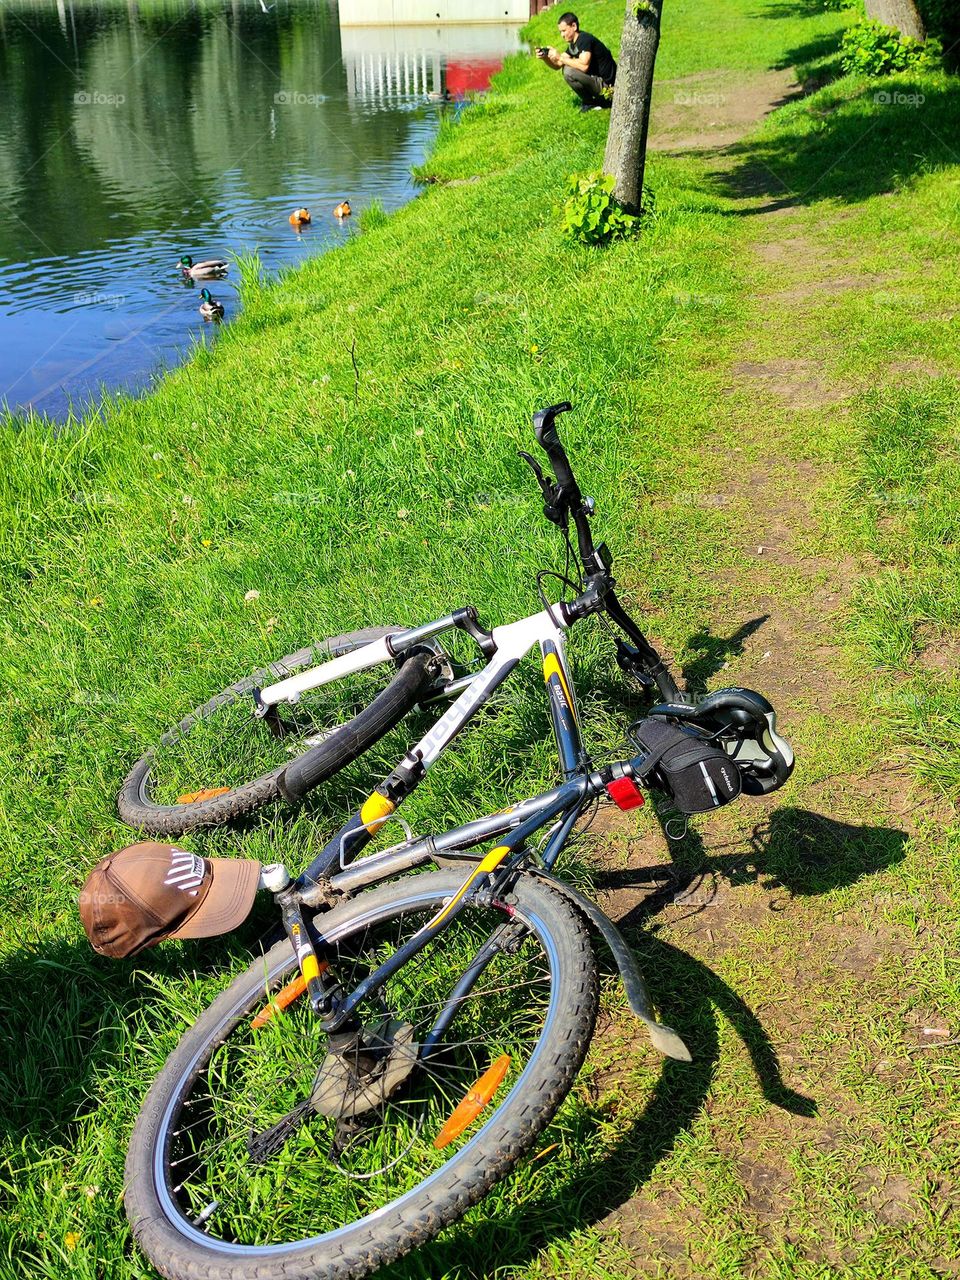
136	133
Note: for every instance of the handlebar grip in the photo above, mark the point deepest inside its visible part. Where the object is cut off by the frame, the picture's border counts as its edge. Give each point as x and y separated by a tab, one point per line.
544	427
544	419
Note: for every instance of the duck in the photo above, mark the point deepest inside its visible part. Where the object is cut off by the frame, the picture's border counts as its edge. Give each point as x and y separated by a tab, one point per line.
343	209
210	269
210	308
300	218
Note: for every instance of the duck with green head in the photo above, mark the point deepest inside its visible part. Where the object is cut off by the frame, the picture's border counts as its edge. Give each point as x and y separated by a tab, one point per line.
210	269
210	308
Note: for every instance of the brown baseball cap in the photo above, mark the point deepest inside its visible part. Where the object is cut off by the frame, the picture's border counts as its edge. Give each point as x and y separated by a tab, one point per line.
140	895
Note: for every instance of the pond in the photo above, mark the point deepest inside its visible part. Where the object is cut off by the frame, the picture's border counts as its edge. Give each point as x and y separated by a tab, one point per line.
137	131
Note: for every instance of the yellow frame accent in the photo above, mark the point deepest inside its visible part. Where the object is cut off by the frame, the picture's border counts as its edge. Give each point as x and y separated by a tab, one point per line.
552	667
492	860
375	811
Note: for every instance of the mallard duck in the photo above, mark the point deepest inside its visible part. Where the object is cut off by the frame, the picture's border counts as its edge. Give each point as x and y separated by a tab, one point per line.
210	308
343	209
300	218
210	269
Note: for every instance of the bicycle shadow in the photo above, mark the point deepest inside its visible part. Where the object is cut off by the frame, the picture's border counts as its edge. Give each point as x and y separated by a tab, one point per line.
709	653
801	852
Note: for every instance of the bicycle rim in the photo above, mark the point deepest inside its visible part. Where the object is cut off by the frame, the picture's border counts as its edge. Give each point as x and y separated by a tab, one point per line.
332	1169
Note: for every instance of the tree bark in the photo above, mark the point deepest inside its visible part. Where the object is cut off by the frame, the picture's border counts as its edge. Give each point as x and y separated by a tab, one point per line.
626	153
902	14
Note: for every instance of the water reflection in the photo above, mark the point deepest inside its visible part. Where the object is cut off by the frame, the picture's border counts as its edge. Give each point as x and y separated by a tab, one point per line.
138	131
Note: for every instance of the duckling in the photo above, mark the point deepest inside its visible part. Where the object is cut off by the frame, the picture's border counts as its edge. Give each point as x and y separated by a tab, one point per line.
300	218
210	308
343	209
210	269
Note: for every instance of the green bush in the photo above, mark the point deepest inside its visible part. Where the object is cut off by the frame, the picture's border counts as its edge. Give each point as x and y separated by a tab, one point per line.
871	49
591	214
942	18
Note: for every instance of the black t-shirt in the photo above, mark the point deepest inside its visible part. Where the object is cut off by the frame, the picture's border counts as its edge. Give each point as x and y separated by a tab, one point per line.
601	59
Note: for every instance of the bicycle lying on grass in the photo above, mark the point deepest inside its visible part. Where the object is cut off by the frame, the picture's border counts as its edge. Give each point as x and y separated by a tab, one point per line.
373	1075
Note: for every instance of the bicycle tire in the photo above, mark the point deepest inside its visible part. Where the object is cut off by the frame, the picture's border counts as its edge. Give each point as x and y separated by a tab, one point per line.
136	803
158	1170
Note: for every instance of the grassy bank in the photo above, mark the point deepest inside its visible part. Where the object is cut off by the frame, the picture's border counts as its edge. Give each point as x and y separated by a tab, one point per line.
349	495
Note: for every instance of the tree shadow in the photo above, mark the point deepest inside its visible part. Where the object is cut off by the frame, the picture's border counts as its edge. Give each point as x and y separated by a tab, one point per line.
848	145
815	63
795	849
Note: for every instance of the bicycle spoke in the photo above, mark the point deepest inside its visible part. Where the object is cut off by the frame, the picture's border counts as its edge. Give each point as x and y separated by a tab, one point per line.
381	1144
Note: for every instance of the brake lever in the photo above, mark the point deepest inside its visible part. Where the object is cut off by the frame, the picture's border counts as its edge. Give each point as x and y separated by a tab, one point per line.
554	504
537	470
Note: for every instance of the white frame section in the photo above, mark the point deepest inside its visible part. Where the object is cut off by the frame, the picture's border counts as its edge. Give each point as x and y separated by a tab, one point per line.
513	642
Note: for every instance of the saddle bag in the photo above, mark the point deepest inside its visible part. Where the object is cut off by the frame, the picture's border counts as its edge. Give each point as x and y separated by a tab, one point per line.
696	775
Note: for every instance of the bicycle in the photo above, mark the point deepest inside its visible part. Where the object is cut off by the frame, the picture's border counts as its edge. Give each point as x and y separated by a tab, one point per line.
375	1073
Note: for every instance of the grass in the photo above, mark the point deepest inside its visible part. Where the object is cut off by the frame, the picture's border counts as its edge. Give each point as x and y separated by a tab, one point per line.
812	1136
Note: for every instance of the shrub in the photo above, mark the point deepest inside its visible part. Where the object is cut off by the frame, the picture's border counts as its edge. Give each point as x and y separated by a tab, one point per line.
592	215
942	18
871	49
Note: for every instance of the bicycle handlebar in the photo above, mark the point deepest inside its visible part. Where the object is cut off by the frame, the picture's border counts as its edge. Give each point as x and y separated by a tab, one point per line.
545	429
571	499
563	500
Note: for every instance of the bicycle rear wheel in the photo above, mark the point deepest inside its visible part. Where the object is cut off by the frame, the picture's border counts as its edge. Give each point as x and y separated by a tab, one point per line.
253	1158
220	762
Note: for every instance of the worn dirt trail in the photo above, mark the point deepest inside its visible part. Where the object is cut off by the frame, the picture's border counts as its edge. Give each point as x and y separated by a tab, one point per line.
716	891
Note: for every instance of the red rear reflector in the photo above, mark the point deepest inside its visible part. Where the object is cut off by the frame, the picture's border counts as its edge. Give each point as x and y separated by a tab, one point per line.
625	793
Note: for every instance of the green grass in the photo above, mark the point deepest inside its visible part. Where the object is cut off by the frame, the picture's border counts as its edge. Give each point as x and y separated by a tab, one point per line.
392	492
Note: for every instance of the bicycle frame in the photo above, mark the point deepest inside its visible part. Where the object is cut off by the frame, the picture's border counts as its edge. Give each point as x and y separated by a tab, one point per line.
509	645
337	870
560	806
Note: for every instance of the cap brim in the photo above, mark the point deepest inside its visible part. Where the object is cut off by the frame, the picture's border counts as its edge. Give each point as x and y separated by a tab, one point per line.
227	902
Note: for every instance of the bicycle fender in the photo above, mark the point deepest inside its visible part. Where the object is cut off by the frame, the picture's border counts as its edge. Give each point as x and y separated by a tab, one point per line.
663	1038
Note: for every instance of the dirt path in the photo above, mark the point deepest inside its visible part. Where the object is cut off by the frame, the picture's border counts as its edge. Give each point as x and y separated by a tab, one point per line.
715	109
737	886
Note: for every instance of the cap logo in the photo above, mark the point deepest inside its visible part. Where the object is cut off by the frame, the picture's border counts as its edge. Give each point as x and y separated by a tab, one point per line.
186	871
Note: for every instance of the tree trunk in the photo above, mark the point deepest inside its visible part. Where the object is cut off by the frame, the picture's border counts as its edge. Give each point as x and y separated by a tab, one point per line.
902	14
626	151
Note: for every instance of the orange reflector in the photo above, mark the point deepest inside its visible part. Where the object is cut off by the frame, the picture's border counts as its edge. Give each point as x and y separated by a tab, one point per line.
284	997
473	1103
192	797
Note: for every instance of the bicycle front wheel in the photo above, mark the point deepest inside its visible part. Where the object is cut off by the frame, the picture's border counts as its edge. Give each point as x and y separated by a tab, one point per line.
259	1153
221	762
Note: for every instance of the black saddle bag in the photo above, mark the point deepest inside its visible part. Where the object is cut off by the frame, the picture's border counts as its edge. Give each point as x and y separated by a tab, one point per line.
695	775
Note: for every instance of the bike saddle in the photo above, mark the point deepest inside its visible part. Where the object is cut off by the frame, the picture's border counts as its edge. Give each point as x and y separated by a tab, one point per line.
744	724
